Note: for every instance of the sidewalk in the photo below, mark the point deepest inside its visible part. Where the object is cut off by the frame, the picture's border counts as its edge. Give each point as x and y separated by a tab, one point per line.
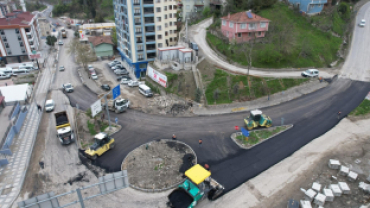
4	121
89	82
263	102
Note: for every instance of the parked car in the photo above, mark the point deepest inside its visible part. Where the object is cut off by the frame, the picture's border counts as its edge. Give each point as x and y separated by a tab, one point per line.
92	71
121	72
94	76
68	87
105	87
118	66
49	105
133	83
61	68
60	42
362	23
120	77
90	67
4	76
310	73
113	63
125	80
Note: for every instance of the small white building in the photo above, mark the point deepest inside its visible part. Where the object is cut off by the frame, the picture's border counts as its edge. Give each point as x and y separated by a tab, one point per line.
169	53
14	93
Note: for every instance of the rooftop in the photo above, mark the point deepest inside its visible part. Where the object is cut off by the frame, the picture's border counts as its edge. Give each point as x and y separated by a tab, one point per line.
23	18
97	40
242	17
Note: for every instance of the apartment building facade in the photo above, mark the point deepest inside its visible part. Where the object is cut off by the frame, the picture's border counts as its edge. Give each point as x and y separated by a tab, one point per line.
18	36
6	7
188	8
142	27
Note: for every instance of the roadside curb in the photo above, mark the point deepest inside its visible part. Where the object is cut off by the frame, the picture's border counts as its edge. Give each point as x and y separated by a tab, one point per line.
164	189
233	136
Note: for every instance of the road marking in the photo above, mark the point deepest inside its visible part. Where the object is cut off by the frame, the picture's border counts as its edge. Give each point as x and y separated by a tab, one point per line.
238	109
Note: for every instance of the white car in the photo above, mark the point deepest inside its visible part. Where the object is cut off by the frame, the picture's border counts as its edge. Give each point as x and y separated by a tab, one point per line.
94	76
133	83
113	63
362	23
49	105
61	68
90	67
125	80
310	73
68	87
60	42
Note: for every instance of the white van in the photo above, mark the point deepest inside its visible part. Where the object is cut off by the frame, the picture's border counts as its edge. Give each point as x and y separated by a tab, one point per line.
4	76
6	70
27	66
145	90
20	71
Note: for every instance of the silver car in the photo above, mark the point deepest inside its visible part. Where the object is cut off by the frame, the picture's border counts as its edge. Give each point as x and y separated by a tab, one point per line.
49	105
61	68
68	87
133	83
310	73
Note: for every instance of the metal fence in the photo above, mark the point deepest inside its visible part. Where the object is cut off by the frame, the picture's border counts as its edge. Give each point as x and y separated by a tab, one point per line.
107	184
14	111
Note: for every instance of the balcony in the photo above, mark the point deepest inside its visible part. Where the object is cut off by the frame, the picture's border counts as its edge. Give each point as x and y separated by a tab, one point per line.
140	59
150	40
148	2
137	23
136	3
149	20
148	11
140	50
29	33
148	48
198	3
137	14
150	55
138	32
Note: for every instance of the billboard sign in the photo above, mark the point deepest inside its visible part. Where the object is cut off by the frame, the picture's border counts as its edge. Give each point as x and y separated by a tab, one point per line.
96	108
157	77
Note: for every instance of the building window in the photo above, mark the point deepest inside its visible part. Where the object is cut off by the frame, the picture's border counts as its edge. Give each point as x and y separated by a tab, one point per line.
21	44
158	1
159	37
17	31
170	23
159	19
160	45
165	16
223	22
243	26
250	34
239	35
165	25
158	9
136	2
227	33
231	24
159	28
137	11
6	45
188	7
5	40
165	8
252	26
170	31
170	7
19	37
263	24
166	33
140	47
170	39
2	32
259	33
171	15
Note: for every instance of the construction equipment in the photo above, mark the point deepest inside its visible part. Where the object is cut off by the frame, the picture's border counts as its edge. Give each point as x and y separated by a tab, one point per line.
196	187
64	130
257	119
118	105
103	143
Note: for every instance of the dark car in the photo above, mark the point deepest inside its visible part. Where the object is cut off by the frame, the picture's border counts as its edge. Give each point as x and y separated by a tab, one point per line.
105	87
121	77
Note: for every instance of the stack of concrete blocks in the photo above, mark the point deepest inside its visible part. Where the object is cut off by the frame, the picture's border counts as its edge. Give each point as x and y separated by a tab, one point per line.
336	190
352	176
343	171
365	187
334	164
310	195
329	195
305	204
344	187
316	187
320	199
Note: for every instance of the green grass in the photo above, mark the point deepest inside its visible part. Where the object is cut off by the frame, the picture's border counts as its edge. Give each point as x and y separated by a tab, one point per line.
42	8
362	109
91	128
256	137
155	89
103	126
306	47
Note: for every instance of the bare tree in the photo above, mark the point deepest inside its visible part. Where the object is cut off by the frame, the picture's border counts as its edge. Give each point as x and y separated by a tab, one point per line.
247	50
283	34
83	53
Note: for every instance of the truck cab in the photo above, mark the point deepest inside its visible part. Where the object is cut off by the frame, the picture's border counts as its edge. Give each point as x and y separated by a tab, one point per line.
120	105
64	130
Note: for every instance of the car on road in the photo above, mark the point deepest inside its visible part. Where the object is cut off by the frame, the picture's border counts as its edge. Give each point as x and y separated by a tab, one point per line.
121	77
113	63
67	87
105	87
125	80
49	105
94	76
133	83
61	68
4	76
90	67
60	42
310	73
362	23
118	66
121	72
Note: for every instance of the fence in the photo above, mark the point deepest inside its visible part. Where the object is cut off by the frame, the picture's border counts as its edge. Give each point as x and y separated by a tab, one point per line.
14	111
107	184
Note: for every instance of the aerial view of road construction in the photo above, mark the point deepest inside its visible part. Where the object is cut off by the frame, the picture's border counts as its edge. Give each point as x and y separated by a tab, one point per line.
184	103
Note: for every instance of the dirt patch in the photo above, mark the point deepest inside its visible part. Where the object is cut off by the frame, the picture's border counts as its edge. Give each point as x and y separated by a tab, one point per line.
158	164
25	78
207	70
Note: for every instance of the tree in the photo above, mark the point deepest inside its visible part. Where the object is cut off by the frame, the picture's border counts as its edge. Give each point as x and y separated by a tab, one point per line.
83	53
247	50
50	40
114	36
206	12
216	94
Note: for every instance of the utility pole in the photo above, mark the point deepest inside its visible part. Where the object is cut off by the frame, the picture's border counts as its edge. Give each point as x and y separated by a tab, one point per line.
106	106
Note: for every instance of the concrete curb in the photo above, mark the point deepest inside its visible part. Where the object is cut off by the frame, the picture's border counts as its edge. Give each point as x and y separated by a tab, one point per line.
164	189
233	137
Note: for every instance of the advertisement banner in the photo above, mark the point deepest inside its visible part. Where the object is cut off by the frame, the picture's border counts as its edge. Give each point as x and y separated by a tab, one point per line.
157	77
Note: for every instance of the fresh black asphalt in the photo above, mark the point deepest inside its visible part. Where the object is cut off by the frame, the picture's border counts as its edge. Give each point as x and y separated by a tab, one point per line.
312	115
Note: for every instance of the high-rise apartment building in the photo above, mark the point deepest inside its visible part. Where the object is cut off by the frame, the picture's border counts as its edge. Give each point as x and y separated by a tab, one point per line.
143	26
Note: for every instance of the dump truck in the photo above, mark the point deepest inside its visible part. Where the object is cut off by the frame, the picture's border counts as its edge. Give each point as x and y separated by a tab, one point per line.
64	130
64	32
197	186
118	105
257	119
103	142
69	25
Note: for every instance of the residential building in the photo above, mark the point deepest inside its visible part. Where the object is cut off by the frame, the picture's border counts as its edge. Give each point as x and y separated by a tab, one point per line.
189	8
19	36
143	26
216	4
102	45
310	7
244	26
6	7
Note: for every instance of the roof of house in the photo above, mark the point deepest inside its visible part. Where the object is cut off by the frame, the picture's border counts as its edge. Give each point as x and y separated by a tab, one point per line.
23	18
242	17
97	40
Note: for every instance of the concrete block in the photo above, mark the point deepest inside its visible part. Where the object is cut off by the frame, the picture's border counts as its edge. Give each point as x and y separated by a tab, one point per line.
344	187
320	199
343	171
310	195
365	187
329	195
334	164
352	176
305	204
316	187
336	190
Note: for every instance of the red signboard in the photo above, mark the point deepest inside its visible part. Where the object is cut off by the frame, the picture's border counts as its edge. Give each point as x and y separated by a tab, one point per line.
35	56
236	127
